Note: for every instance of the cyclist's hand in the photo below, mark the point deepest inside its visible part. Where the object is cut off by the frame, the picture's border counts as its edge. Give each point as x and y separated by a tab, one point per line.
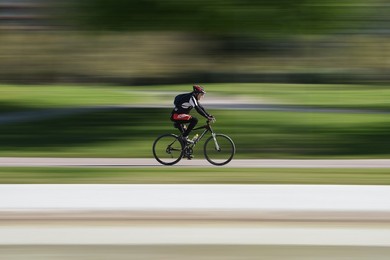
211	119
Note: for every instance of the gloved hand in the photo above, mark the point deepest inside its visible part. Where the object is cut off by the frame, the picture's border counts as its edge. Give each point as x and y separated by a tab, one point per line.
211	119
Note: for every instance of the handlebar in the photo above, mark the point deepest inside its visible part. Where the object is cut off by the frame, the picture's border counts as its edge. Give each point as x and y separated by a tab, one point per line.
210	121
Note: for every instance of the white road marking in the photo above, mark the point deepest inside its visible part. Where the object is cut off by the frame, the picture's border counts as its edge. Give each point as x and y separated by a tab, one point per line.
198	234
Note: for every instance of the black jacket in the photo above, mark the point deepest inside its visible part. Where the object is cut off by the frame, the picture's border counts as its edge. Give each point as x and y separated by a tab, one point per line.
184	103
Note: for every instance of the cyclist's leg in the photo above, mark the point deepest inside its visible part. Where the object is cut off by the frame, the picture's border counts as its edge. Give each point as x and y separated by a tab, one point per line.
193	121
183	119
179	124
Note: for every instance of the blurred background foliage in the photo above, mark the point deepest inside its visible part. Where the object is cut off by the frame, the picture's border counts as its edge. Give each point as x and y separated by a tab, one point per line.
150	42
220	16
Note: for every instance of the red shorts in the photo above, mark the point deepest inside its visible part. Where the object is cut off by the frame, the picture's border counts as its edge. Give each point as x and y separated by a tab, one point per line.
181	117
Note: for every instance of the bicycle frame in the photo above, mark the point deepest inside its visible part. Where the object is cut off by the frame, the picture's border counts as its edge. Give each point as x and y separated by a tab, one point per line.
207	128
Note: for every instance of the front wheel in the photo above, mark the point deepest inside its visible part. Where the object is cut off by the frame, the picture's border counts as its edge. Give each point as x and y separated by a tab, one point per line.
167	149
219	149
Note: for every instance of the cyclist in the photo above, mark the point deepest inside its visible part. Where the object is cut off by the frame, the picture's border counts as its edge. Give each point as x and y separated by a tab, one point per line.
183	105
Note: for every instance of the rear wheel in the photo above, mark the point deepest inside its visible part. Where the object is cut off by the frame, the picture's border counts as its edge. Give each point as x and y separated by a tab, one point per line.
167	149
219	149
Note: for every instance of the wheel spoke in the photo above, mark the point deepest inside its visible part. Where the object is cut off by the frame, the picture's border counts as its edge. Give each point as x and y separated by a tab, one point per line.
167	149
219	149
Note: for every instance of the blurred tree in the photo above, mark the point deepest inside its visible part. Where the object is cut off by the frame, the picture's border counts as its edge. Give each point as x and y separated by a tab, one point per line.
221	16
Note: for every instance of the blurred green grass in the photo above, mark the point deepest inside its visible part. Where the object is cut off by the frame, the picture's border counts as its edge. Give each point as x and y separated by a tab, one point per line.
130	132
316	95
34	97
179	175
22	97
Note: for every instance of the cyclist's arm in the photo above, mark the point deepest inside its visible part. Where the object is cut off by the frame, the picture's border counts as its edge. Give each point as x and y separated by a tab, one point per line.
199	108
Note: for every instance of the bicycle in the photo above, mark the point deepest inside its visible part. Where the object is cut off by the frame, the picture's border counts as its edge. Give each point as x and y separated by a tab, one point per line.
218	149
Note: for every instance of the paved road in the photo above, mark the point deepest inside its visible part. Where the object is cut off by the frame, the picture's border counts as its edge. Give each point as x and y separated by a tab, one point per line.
196	201
194	233
150	162
194	238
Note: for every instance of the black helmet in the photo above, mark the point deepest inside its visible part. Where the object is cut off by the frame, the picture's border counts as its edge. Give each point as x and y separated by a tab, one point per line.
198	89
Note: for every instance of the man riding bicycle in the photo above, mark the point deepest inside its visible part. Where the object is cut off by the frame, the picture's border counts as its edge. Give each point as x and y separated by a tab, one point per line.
183	105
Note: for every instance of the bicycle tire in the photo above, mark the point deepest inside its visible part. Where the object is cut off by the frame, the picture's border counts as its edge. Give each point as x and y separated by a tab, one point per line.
222	156
167	149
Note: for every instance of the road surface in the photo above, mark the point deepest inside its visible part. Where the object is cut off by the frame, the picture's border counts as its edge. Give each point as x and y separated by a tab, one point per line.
292	222
199	237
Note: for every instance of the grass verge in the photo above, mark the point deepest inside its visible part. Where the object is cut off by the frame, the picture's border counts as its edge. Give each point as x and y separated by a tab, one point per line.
316	95
257	134
19	97
184	175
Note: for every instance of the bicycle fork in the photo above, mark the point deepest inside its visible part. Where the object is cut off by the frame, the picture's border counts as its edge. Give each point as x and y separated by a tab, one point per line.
216	143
